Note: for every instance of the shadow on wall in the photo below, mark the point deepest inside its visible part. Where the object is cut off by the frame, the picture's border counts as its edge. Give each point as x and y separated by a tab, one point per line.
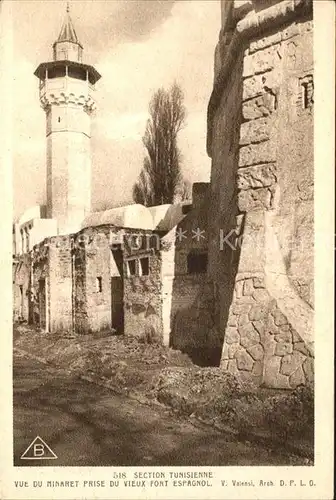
196	315
192	324
224	215
204	269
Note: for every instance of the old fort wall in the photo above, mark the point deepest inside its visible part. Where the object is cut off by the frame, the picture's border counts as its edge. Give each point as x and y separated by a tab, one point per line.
260	138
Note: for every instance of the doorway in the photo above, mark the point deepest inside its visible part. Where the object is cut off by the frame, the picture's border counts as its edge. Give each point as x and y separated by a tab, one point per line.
117	292
21	302
42	304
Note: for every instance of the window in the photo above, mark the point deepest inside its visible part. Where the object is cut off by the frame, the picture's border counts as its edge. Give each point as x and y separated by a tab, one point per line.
131	267
99	284
197	263
144	266
306	95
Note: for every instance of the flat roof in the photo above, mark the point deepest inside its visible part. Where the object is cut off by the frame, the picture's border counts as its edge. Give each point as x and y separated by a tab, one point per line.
40	70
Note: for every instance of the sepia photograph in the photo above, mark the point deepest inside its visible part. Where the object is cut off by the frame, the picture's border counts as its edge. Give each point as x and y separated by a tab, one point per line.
163	244
163	240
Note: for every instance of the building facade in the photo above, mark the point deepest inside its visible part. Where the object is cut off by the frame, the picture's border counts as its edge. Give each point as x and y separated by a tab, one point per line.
227	279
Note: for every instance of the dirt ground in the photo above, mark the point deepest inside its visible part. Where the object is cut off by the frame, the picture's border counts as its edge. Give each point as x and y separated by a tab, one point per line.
157	375
86	425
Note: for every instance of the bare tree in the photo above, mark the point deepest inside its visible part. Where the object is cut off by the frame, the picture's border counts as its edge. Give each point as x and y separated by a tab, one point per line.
142	192
161	174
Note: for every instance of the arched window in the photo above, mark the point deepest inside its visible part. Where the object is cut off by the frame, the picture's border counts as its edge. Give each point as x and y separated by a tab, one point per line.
131	267
144	266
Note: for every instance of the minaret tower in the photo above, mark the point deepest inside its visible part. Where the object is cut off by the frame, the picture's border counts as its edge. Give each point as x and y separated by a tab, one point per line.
66	94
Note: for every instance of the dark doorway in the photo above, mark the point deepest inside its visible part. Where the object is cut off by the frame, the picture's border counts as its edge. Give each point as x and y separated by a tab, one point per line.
117	292
42	304
21	302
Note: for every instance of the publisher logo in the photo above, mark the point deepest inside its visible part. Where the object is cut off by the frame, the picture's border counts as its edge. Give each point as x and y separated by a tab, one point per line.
38	450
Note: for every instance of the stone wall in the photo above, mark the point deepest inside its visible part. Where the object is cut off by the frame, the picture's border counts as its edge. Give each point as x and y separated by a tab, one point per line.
60	284
269	334
47	285
263	170
40	296
142	287
31	293
276	142
21	288
97	279
96	267
260	343
81	324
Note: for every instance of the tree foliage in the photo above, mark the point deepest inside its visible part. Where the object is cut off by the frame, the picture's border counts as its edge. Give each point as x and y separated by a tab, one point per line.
160	178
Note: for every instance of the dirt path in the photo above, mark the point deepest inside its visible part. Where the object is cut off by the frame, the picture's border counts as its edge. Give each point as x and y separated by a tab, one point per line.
87	425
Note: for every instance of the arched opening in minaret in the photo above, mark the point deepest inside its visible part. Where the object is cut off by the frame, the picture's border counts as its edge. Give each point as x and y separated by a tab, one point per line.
78	73
92	79
56	72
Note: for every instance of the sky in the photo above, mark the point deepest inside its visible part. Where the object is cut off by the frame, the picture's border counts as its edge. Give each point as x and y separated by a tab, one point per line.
137	46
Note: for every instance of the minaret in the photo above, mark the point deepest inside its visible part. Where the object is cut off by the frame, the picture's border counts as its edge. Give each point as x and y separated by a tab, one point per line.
66	95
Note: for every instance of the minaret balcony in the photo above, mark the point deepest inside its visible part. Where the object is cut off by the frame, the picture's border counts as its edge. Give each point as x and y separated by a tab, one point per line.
53	69
61	91
67	82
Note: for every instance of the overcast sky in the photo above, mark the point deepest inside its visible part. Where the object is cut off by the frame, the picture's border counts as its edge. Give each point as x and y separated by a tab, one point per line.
137	46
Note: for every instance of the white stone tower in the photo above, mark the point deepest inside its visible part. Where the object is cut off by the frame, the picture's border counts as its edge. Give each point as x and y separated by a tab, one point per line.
66	94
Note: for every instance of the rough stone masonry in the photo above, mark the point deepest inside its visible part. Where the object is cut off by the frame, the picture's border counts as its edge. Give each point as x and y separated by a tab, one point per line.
260	139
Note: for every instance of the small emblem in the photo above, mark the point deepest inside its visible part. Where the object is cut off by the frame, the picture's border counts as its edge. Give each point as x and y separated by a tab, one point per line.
38	450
